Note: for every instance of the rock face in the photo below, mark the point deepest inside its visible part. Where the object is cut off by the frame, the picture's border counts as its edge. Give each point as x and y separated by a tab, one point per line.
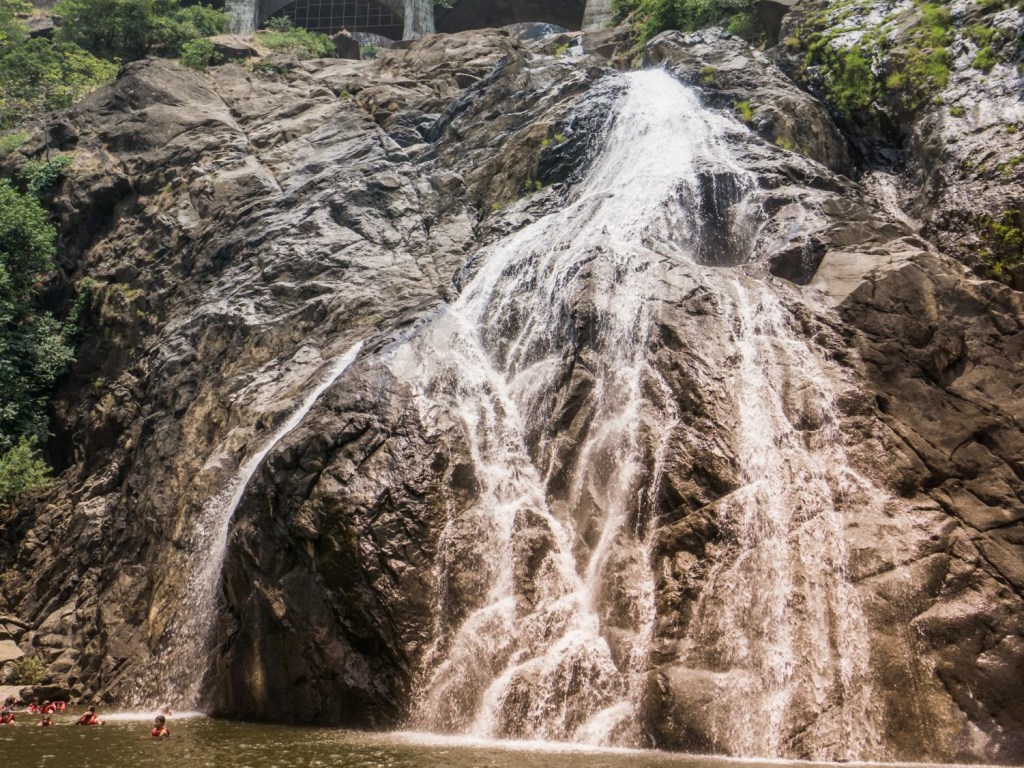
242	229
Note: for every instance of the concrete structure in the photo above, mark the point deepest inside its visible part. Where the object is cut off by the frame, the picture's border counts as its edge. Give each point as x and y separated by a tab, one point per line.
420	17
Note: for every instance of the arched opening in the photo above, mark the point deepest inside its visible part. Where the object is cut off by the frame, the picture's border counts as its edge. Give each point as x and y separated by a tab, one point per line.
478	14
360	17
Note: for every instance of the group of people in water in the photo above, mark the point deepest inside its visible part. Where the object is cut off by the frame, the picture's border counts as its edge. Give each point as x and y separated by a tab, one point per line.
47	709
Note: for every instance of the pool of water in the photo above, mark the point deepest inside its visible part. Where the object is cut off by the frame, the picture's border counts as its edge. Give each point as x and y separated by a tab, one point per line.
123	741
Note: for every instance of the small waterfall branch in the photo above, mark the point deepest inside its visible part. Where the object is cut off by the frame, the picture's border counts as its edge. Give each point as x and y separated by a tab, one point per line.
183	662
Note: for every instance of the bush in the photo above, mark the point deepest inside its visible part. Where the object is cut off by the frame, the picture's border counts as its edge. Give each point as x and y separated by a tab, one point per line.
37	76
34	347
28	670
985	60
649	17
22	472
299	42
12	141
744	25
39	176
743	110
130	29
1004	237
199	54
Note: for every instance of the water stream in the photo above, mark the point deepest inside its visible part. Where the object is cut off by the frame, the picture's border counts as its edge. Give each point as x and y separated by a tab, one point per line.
549	637
180	669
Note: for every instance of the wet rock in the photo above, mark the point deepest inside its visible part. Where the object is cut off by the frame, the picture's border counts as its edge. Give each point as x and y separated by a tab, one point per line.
732	76
244	230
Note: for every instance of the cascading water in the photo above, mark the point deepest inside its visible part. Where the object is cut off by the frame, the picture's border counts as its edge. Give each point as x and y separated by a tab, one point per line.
546	608
178	674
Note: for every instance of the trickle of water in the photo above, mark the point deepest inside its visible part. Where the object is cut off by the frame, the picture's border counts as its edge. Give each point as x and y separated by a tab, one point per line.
178	673
545	608
778	612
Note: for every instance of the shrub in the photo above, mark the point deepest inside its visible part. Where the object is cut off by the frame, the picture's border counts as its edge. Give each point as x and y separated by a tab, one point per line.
199	54
649	17
37	76
40	176
130	29
22	471
12	141
34	348
985	59
28	670
1004	237
746	114
299	42
744	25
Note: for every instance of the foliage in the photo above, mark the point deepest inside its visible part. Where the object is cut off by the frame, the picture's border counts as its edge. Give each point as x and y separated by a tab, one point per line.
746	114
130	29
899	63
34	347
286	38
957	111
12	141
649	17
1004	237
22	473
279	24
849	83
744	25
39	176
28	670
985	59
11	30
199	54
38	75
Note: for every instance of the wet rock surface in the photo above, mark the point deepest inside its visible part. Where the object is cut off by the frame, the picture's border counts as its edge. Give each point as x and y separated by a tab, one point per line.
243	230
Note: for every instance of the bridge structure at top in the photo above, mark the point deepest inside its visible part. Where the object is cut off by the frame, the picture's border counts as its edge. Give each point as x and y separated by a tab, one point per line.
410	19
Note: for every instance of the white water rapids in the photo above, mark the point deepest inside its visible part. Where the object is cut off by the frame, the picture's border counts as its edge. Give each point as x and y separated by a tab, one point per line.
546	601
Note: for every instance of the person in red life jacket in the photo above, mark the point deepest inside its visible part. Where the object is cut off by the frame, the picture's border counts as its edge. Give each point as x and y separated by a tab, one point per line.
60	705
48	708
34	708
159	728
89	718
46	722
6	717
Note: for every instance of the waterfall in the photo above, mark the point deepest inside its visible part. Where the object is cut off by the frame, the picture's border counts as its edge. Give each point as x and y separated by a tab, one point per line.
179	672
545	607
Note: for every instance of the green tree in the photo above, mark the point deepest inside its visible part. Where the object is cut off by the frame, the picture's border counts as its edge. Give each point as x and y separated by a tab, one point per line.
130	29
37	76
11	30
22	472
34	350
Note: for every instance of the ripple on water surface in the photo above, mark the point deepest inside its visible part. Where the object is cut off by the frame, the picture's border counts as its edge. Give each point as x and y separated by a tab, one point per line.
123	741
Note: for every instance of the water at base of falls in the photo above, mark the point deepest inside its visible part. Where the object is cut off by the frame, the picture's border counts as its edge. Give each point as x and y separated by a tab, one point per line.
177	674
546	601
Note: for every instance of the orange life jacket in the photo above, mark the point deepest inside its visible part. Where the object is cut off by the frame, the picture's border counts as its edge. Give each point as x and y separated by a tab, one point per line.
156	733
49	709
7	717
88	719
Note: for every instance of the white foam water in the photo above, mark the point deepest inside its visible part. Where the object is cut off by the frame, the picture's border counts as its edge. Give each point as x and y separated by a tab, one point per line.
545	608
